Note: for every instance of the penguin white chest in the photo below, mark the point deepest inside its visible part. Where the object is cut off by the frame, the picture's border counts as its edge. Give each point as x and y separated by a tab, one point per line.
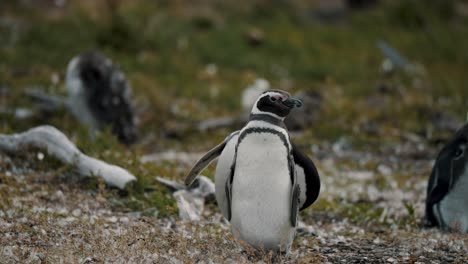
261	192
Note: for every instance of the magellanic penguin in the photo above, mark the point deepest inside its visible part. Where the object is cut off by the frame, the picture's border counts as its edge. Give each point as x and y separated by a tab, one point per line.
447	191
261	178
99	95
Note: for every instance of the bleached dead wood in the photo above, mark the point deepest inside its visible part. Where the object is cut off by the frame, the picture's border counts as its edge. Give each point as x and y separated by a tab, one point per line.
190	200
58	145
221	122
46	102
180	129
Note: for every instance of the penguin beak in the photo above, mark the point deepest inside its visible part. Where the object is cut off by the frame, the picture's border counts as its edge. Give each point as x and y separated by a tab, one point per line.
292	103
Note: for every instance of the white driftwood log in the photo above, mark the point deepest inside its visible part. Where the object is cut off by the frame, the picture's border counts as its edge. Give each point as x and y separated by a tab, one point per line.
58	145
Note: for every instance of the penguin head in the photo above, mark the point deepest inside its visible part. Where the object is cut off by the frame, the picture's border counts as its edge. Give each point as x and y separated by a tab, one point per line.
453	158
450	165
275	103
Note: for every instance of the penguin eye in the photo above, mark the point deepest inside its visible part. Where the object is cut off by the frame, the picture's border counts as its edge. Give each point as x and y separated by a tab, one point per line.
460	151
274	98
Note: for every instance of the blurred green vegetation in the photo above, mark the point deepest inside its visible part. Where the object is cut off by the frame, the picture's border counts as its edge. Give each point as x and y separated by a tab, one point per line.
164	48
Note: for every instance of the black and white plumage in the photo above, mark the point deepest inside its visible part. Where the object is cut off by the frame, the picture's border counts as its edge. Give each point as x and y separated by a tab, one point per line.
99	95
261	178
447	190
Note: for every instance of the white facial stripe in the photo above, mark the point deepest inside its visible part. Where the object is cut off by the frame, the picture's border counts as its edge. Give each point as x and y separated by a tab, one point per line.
270	94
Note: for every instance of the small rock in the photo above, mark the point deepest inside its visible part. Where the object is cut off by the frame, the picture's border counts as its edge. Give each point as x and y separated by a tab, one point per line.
341	146
448	258
8	251
384	170
76	212
112	219
61	211
377	241
66	221
40	156
211	69
59	194
360	175
88	260
17	203
255	37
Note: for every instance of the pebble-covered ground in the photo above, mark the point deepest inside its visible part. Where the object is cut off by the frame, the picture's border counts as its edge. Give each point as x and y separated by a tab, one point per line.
48	217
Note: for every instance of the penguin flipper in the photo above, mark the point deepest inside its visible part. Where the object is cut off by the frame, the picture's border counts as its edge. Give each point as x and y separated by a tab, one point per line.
228	186
294	204
202	163
223	172
307	177
228	190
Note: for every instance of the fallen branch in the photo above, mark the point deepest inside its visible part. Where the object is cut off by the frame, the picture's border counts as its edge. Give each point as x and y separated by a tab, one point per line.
179	129
59	146
46	102
221	122
191	200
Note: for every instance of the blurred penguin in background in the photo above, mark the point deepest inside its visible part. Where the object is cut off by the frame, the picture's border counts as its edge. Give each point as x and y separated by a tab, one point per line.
252	92
99	96
447	191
